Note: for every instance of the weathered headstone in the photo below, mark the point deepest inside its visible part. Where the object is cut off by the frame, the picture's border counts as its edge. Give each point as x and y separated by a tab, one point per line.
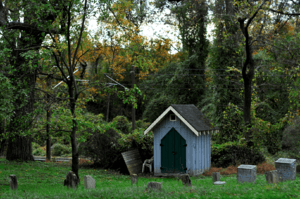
216	179
71	180
134	179
216	176
13	182
272	177
185	178
286	169
246	173
89	182
154	186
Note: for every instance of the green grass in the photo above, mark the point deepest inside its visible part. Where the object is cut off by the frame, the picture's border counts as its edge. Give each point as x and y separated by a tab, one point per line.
45	180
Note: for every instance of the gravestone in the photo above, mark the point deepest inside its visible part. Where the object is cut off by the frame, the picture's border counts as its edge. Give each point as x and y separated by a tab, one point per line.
185	178
134	179
71	180
154	186
246	173
286	169
216	179
89	182
272	177
216	176
13	182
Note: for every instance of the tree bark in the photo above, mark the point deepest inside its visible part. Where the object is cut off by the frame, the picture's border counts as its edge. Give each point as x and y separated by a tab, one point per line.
133	109
248	73
75	154
48	144
3	144
107	110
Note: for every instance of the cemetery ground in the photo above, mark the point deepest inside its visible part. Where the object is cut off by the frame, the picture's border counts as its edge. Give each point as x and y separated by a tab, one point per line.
46	180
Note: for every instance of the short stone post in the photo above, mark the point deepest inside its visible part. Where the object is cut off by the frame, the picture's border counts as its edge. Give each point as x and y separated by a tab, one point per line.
185	178
134	179
272	177
153	186
216	179
216	176
13	182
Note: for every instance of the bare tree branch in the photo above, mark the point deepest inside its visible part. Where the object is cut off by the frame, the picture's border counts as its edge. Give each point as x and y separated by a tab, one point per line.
284	13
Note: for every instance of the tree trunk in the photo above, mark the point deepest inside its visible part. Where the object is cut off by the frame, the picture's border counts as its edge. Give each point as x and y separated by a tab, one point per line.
107	110
133	109
3	144
75	154
21	147
48	144
248	74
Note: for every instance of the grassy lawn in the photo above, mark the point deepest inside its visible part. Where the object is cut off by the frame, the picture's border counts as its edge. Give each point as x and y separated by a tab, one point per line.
45	180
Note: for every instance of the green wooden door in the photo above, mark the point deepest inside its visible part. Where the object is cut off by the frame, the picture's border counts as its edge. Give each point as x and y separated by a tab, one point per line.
173	153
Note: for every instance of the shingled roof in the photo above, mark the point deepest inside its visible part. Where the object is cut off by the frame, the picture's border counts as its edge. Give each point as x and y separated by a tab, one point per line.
190	115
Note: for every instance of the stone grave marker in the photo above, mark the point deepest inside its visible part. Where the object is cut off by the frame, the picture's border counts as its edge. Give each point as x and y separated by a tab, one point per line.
71	180
186	181
154	186
216	179
89	182
246	173
272	177
286	169
13	182
134	179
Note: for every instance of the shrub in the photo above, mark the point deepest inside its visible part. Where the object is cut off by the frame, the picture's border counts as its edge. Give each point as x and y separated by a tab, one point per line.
35	146
39	152
121	124
59	149
99	146
291	137
230	154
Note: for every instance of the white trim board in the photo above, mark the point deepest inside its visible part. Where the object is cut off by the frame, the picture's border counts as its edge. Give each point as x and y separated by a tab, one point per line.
181	118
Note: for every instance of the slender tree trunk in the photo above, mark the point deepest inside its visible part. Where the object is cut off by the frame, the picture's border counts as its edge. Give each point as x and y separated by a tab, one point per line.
108	103
107	110
48	144
133	109
3	144
248	74
75	154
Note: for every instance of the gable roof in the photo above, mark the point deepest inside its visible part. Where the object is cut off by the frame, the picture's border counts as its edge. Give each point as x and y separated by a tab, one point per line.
190	115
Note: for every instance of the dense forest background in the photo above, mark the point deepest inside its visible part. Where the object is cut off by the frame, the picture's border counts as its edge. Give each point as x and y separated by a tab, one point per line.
246	81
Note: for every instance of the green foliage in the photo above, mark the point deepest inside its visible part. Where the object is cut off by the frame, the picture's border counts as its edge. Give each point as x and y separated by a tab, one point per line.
121	124
232	153
291	137
59	149
231	128
223	102
99	146
156	106
185	86
39	152
35	146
